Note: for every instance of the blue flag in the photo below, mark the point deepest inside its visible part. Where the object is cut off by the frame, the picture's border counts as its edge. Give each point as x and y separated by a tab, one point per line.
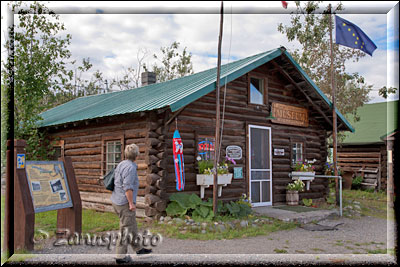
348	34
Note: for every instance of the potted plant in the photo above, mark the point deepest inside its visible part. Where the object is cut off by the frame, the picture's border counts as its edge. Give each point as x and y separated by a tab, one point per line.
292	192
205	178
304	171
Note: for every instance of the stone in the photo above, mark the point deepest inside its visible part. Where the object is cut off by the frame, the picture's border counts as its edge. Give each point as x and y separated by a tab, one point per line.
203	231
178	220
169	222
161	218
204	225
185	228
254	225
256	220
191	220
244	223
357	207
168	218
221	227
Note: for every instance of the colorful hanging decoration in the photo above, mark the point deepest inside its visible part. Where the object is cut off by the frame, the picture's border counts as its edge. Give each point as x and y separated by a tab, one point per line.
177	147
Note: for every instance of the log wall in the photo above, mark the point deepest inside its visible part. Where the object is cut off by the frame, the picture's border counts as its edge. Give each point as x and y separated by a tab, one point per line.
373	156
198	118
84	144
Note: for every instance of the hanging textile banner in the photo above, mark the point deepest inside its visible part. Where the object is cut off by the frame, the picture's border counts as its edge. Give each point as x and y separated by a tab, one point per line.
177	147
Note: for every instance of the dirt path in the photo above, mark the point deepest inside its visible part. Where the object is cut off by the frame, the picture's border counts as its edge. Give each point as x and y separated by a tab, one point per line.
354	236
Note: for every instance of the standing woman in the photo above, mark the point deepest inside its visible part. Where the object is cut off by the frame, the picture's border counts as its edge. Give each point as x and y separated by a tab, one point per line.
126	186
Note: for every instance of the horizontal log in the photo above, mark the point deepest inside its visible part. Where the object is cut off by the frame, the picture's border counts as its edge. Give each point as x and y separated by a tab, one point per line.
358	160
152	178
83	151
90	172
150	190
82	145
358	155
153	142
160	205
162	194
81	139
152	134
150	199
149	211
151	159
85	158
86	165
357	165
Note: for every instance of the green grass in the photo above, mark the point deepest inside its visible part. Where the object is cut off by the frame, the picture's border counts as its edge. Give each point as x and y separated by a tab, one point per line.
174	230
92	222
277	250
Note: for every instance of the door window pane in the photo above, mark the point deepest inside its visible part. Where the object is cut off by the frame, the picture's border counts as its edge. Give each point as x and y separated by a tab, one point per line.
259	148
259	175
255	192
266	197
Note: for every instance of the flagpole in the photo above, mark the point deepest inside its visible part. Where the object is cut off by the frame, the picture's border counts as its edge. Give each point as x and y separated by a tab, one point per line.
217	121
334	117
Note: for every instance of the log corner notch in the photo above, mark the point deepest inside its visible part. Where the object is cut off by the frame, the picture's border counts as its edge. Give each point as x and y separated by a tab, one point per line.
155	157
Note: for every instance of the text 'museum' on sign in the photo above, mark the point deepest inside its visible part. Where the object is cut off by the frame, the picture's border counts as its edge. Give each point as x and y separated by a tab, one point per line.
48	185
290	115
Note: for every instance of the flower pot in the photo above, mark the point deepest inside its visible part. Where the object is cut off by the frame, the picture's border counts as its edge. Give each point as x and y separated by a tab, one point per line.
292	198
301	175
205	180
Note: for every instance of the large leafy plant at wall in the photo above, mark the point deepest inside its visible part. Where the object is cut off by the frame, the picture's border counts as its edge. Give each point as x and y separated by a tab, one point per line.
191	205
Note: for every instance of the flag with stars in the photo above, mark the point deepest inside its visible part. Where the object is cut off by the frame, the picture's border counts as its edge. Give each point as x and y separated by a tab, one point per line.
350	35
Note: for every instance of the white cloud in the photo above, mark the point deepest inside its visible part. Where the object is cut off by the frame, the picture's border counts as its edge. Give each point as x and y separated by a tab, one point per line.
112	40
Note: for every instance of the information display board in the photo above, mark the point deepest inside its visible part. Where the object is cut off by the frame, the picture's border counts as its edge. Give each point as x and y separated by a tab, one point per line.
48	185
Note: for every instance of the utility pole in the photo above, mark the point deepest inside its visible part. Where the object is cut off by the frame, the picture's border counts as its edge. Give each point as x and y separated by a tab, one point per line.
334	117
217	121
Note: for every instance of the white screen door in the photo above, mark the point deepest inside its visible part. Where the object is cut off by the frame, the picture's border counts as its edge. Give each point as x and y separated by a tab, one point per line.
260	165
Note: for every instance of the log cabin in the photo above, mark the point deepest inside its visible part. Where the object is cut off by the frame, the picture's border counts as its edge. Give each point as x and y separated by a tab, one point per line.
273	114
364	152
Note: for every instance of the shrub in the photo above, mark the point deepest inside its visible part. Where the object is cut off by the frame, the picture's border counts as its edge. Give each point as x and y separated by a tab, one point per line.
356	184
307	202
191	205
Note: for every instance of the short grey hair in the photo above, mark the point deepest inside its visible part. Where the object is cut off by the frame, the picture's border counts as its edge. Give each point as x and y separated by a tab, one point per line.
131	152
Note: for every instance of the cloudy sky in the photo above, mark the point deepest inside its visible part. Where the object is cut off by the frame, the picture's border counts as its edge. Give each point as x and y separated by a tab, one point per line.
112	33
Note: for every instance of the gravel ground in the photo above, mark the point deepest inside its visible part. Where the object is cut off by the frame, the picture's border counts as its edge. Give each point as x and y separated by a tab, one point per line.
354	236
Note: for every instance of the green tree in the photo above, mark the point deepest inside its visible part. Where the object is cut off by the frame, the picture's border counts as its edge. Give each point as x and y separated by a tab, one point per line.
385	91
40	68
173	63
311	30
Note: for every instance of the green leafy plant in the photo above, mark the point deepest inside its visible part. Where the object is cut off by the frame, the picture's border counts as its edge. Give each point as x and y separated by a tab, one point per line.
297	185
356	183
237	210
307	202
184	204
205	165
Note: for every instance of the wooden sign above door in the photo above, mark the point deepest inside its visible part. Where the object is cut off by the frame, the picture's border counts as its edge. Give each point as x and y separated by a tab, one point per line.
290	115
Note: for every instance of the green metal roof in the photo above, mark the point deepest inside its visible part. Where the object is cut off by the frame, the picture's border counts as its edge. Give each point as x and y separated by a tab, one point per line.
376	120
175	93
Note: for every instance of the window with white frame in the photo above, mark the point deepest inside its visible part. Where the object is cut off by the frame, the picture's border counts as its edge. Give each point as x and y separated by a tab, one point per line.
256	91
113	154
297	152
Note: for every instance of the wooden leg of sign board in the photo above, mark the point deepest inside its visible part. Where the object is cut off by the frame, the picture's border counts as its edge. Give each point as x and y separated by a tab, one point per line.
24	214
70	219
